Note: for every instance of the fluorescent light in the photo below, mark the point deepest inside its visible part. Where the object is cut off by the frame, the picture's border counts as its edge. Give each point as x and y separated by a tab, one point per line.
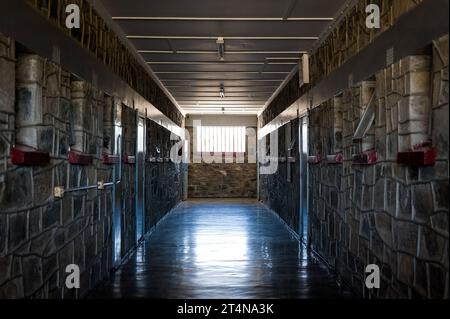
222	92
224	18
221	48
192	37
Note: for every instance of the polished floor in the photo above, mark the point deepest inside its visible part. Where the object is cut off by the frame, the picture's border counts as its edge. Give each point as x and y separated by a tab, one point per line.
221	249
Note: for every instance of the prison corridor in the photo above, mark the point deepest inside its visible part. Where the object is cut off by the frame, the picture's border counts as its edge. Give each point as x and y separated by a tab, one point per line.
210	249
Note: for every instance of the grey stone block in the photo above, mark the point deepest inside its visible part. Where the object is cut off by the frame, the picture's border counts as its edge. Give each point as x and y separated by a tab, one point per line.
3	233
417	83
404	210
405	269
35	221
41	242
49	267
390	197
440	53
406	236
18	231
5	266
441	195
415	63
51	215
438	281
42	193
440	134
15	189
13	289
384	228
422	202
432	245
32	274
7	85
415	108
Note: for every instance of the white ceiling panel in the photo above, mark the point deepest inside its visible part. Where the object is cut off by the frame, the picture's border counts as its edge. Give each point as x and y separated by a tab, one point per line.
263	42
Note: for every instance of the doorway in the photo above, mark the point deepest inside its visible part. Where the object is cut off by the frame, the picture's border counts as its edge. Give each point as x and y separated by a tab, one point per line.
140	177
303	150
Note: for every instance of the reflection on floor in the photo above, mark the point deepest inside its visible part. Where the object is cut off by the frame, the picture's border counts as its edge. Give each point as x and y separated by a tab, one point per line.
221	249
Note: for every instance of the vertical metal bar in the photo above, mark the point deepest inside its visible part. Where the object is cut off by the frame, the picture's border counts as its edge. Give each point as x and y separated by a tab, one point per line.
117	190
287	144
258	161
117	221
139	179
300	165
144	153
136	179
304	180
185	166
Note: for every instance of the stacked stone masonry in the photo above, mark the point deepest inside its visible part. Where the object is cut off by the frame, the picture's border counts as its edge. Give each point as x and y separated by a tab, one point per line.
164	179
44	234
96	36
392	215
129	138
46	108
279	191
229	176
345	40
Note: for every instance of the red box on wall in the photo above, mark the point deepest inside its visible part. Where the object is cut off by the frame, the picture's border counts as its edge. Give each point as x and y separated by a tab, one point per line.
366	158
108	159
78	158
128	159
316	159
338	158
420	155
26	156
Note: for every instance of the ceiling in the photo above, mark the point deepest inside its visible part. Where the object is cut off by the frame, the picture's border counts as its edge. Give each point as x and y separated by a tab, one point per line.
263	42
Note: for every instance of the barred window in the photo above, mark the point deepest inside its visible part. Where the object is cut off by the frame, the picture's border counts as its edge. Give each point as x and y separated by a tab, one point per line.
221	139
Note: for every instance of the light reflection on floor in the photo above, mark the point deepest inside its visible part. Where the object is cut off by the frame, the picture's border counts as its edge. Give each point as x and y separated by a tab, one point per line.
221	249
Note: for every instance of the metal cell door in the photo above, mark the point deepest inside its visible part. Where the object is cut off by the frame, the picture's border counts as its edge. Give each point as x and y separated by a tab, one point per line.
303	149
140	177
117	185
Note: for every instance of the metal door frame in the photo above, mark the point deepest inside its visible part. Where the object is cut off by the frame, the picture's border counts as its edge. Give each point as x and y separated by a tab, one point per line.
140	176
117	187
303	129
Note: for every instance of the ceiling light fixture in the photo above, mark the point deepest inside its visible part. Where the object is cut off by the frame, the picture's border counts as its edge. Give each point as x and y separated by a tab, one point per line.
221	48
222	92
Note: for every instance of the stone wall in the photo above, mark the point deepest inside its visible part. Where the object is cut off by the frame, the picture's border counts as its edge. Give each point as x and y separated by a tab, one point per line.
226	178
7	97
164	179
102	42
392	215
45	108
343	41
41	235
129	133
279	191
